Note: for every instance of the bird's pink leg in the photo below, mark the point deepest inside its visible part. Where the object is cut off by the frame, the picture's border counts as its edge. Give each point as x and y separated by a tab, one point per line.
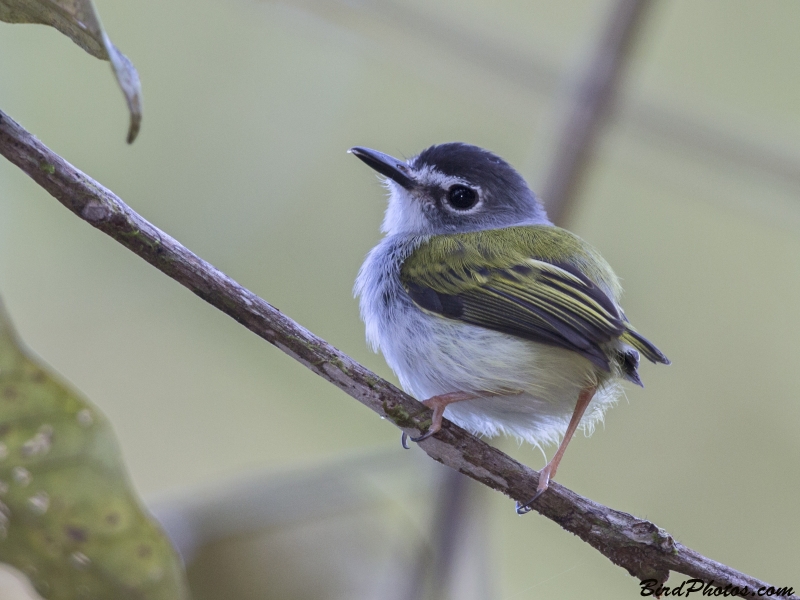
438	404
549	471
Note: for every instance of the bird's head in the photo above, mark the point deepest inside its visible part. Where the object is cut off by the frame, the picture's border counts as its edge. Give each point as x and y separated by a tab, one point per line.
452	188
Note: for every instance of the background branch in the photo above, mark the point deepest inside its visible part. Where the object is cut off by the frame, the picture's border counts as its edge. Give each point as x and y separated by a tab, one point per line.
588	106
639	546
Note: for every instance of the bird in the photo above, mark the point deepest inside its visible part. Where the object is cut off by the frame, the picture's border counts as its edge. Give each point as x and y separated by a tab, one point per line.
488	313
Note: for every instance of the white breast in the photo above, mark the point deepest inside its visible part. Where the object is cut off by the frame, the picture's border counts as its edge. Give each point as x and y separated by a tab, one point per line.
525	389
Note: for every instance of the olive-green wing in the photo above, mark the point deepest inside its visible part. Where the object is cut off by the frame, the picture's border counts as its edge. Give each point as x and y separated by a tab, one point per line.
538	282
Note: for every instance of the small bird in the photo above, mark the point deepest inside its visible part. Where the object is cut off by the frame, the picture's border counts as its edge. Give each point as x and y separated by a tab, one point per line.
487	312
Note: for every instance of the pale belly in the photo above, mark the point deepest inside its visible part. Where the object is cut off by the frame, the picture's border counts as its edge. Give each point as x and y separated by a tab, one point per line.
524	389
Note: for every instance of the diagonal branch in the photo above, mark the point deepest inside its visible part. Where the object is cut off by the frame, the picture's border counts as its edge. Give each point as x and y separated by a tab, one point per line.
645	550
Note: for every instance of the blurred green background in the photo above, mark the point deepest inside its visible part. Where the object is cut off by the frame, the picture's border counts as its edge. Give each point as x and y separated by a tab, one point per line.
249	107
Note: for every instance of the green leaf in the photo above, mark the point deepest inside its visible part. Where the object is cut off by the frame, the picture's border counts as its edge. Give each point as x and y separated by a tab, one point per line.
78	19
69	518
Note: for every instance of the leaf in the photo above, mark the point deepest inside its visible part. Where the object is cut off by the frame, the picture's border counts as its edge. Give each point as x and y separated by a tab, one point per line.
69	518
79	20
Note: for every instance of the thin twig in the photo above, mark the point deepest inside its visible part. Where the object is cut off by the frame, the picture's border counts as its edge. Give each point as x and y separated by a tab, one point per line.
589	106
432	574
645	550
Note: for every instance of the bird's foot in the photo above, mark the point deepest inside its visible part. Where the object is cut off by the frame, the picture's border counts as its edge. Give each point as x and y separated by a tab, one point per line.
544	483
405	437
437	404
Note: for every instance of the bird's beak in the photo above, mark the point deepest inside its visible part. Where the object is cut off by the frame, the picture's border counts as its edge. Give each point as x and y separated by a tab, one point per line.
393	168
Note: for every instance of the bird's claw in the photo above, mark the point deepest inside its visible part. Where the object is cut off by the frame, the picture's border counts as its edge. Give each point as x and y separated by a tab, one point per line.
523	509
405	437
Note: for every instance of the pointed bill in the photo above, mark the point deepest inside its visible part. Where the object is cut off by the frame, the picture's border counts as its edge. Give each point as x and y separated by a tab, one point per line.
389	166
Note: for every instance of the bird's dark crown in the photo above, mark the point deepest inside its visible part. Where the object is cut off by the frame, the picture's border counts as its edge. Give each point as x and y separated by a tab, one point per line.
464	160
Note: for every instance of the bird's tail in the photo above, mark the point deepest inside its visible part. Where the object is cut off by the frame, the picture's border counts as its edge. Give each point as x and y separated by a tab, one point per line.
643	345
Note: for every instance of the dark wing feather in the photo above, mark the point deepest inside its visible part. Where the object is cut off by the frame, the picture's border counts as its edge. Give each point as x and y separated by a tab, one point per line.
537	282
548	303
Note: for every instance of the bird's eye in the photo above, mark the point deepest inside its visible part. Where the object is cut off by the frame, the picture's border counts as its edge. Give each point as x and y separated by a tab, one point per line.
462	197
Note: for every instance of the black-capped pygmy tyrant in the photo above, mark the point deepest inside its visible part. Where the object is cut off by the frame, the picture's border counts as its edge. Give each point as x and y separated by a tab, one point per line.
487	312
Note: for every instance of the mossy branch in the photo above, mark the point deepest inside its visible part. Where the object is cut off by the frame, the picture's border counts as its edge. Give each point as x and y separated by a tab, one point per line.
643	549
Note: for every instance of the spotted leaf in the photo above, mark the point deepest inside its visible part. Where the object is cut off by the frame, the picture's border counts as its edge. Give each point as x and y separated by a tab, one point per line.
69	518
